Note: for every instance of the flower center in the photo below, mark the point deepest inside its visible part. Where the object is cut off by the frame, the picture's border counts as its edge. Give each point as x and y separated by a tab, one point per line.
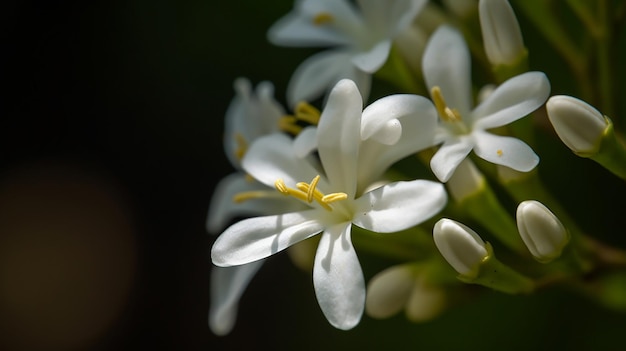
304	113
308	192
323	18
451	116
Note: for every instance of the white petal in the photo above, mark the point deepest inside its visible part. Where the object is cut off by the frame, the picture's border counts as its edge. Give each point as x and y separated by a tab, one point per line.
400	205
373	59
305	142
418	133
389	291
449	156
227	286
390	16
446	64
223	209
272	157
317	74
338	136
255	238
389	108
514	99
506	151
299	31
338	278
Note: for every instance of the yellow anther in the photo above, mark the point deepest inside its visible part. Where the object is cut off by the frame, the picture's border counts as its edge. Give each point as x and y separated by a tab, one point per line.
311	191
323	18
447	114
499	152
307	113
289	124
242	146
332	197
281	187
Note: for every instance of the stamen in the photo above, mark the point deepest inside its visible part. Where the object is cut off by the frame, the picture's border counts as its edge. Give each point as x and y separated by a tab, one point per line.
242	146
289	124
332	197
309	192
499	152
447	114
323	18
249	195
307	113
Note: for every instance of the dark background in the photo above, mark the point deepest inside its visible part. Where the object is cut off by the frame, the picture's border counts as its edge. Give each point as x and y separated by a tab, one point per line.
110	144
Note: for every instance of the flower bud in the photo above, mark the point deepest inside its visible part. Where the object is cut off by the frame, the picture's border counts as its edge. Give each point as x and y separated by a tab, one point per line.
543	233
502	36
403	287
579	125
465	181
460	246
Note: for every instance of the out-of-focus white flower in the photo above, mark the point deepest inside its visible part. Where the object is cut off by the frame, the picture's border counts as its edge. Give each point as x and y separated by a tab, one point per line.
579	125
333	206
542	232
249	116
403	287
460	246
360	37
446	68
501	32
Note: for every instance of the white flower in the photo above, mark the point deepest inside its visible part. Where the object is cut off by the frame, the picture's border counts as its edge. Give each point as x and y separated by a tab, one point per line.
460	246
333	207
542	232
579	125
446	68
249	116
360	38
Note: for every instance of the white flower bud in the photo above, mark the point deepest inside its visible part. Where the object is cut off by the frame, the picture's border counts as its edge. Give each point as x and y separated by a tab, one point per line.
543	233
465	181
460	246
579	125
403	287
502	36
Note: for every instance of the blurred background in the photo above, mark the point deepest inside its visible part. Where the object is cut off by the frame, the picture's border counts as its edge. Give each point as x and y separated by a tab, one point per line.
110	144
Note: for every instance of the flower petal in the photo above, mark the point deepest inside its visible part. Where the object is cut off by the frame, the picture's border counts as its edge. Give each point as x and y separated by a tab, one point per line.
449	156
317	74
227	286
400	205
223	209
390	16
514	99
506	151
338	278
446	64
373	59
392	107
255	238
338	136
272	157
305	142
296	30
